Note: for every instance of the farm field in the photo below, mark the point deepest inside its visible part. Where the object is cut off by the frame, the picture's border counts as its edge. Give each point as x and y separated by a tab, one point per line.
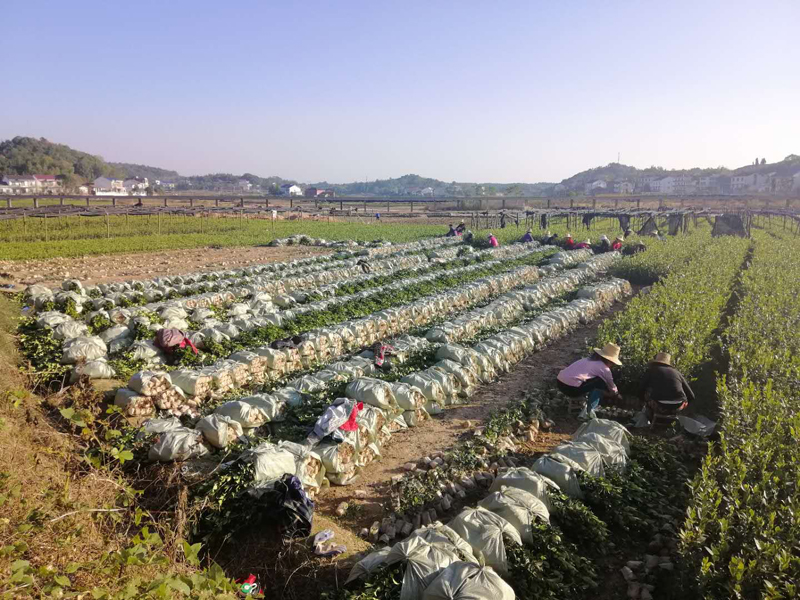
460	464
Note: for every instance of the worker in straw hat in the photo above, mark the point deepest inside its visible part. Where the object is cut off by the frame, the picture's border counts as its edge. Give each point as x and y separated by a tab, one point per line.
616	245
587	243
528	237
605	244
549	238
591	376
663	389
569	243
493	241
462	227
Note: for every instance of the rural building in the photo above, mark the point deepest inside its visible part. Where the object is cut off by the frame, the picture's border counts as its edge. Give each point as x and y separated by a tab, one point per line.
20	184
742	183
105	186
244	186
47	184
684	184
623	187
290	189
136	186
643	184
313	192
596	185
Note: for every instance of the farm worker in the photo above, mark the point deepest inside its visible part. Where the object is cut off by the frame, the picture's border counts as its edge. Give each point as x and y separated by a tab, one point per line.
493	241
591	376
663	389
550	238
640	247
502	220
452	232
569	244
364	265
584	244
468	236
657	235
377	216
605	244
628	232
461	228
528	237
617	244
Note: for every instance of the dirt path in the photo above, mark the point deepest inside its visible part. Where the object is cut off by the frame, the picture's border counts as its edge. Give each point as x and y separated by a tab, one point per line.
100	269
445	429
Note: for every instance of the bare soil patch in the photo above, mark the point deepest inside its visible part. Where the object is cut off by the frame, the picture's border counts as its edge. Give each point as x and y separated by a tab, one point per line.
119	267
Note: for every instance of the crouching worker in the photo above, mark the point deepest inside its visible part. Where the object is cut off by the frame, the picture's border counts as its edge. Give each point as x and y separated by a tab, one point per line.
591	376
527	238
663	389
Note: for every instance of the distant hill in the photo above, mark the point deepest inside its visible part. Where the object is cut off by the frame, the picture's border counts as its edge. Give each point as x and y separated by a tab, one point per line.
29	156
411	184
619	172
131	170
785	168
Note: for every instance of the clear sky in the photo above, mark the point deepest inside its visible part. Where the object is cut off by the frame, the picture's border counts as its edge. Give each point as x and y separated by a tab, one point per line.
462	90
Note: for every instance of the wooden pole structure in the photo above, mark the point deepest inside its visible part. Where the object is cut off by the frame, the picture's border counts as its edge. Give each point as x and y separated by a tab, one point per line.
46	232
108	226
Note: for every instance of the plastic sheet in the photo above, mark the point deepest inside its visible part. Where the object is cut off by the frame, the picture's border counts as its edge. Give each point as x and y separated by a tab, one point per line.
484	531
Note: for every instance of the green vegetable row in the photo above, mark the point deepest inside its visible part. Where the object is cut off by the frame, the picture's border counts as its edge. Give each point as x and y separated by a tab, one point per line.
742	532
680	313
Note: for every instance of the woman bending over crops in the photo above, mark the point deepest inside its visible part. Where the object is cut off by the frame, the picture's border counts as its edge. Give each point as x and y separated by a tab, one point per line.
591	376
663	389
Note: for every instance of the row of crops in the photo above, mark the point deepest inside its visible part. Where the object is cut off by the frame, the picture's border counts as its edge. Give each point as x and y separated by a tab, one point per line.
457	321
742	532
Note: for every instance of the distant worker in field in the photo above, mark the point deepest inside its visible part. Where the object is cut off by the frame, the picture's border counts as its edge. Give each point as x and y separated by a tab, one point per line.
452	232
527	238
640	247
605	244
364	265
461	228
502	220
584	244
468	236
550	238
591	377
493	241
657	235
628	233
617	245
663	389
377	216
569	243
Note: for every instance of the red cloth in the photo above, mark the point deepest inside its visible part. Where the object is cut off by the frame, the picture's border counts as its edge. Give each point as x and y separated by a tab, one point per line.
570	244
493	242
350	424
582	245
616	245
188	342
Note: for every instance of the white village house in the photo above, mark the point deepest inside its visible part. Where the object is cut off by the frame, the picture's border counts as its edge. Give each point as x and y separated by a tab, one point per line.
105	186
290	189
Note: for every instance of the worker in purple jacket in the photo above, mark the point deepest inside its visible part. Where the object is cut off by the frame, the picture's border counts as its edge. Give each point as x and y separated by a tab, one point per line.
591	376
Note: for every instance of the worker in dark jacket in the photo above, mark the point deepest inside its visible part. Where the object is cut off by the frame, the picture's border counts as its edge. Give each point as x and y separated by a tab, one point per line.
462	227
550	238
663	389
527	238
605	244
452	232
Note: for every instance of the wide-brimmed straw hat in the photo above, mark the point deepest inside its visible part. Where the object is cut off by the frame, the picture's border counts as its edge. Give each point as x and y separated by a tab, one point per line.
618	239
609	352
548	234
662	358
587	241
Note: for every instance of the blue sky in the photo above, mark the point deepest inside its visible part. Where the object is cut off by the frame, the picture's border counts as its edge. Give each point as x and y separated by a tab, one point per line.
467	91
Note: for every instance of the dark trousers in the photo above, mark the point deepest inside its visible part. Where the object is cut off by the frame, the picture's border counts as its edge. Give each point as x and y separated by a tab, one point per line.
595	387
